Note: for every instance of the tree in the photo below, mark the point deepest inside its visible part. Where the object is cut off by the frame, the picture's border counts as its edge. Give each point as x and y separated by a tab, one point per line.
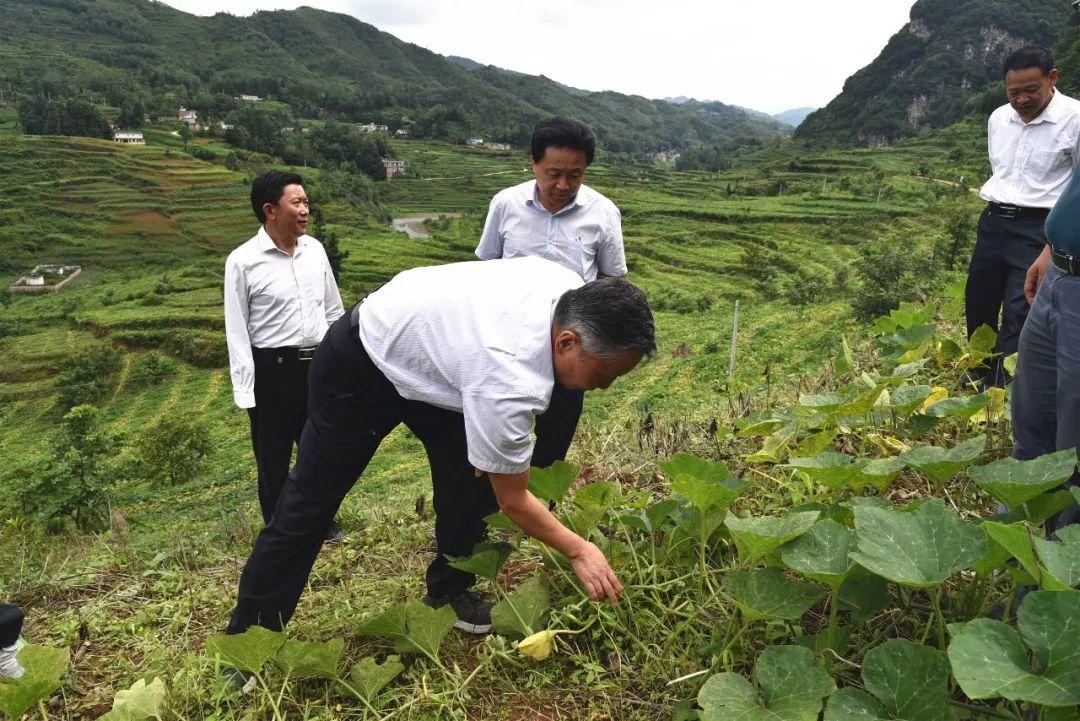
334	254
889	275
87	376
74	487
132	112
185	134
172	449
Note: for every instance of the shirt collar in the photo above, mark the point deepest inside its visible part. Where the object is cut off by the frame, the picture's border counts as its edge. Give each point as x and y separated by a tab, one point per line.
267	243
532	199
1050	114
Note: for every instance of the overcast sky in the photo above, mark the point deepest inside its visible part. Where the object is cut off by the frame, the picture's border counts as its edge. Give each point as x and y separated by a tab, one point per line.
770	55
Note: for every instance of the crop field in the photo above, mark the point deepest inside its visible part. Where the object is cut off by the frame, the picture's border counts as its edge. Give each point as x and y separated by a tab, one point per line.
831	434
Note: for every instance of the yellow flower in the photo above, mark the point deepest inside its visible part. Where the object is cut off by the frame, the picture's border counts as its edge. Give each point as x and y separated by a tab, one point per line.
538	646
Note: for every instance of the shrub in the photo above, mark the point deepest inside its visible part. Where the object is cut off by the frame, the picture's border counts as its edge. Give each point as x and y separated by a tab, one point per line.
150	368
172	449
74	487
87	376
889	273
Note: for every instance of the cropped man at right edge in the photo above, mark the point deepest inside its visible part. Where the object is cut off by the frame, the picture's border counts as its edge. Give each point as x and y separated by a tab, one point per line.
1033	148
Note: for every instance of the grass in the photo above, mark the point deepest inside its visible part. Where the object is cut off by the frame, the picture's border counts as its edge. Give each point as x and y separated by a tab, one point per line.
151	226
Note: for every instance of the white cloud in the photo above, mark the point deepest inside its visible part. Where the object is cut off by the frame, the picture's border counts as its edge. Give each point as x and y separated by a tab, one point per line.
770	54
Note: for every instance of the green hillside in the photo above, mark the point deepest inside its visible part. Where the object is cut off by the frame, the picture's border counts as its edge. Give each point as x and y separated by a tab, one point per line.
323	64
948	52
781	233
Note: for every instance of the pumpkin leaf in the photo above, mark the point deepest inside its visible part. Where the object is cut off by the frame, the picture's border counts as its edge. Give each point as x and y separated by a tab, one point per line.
369	678
760	536
941	464
822	553
790	687
412	627
920	548
1016	482
525	611
990	659
768	593
247	651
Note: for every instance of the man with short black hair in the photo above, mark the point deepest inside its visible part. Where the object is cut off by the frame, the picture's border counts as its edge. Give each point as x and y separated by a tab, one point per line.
1034	144
280	297
556	216
466	356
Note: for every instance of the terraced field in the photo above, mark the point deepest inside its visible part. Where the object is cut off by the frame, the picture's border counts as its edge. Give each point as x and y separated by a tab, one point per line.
151	227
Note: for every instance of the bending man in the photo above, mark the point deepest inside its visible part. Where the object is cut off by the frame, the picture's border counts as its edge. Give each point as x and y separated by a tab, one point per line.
466	355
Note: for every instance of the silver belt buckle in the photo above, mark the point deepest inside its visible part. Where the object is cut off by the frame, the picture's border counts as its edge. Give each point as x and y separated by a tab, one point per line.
1009	212
306	354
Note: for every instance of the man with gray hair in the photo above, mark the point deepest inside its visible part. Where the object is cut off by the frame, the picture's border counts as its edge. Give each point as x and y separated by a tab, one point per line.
466	356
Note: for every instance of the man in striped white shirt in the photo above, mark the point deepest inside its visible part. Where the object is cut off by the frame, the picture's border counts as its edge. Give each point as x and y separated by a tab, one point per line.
556	216
280	297
466	355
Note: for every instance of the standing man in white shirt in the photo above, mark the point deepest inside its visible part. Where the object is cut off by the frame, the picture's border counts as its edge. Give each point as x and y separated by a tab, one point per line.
556	216
280	298
1033	145
465	355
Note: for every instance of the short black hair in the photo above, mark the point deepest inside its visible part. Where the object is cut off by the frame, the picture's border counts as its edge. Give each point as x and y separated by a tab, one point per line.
611	315
268	188
561	132
1029	56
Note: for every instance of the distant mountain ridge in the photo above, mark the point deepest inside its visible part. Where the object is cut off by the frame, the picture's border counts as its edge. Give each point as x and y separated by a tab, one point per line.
321	63
949	51
795	116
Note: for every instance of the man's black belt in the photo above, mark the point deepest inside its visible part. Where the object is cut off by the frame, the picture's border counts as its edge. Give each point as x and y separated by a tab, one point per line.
305	353
1016	212
1068	263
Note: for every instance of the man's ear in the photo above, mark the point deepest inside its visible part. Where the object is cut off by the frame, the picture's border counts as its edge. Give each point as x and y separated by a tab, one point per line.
269	210
566	340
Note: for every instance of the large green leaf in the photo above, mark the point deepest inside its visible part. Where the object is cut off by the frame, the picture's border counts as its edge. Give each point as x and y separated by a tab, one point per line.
1062	557
791	686
759	536
959	407
941	464
247	651
551	483
1016	482
775	447
485	560
1021	543
304	659
905	680
704	484
598	495
368	677
989	659
864	594
768	593
921	548
879	472
412	627
822	553
908	397
830	468
525	611
140	702
44	667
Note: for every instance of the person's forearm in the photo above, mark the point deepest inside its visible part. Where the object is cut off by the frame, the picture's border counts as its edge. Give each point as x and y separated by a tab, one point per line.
533	517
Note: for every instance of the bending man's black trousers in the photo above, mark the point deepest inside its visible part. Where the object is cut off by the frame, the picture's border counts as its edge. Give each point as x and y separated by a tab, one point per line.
11	621
352	407
277	420
1004	251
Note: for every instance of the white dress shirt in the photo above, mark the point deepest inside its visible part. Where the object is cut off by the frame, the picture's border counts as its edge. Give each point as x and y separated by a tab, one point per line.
585	236
275	300
474	338
1033	162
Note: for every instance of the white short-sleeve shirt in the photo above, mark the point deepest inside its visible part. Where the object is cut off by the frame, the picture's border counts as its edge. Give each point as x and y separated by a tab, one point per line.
585	236
473	338
1034	161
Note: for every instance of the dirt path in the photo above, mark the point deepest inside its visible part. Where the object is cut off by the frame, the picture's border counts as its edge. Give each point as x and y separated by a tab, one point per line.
413	225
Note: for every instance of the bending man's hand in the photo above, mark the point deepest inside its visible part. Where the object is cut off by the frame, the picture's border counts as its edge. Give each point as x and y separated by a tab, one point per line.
1035	275
532	516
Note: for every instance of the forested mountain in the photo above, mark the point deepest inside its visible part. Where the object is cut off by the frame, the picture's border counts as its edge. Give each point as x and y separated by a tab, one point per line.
319	64
948	52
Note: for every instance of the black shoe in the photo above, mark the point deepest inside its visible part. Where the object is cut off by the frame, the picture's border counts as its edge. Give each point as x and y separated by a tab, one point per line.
334	534
472	611
238	681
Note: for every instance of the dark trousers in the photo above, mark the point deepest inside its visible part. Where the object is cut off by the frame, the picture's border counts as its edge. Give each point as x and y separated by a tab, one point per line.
11	621
352	407
1046	393
1004	251
277	420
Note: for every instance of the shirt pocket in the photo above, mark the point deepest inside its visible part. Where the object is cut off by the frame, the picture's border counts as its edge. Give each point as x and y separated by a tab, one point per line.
1046	162
520	245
